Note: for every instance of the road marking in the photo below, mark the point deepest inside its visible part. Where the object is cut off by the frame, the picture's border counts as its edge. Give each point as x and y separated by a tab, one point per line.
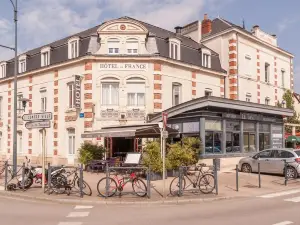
83	207
284	223
296	199
278	194
70	223
78	214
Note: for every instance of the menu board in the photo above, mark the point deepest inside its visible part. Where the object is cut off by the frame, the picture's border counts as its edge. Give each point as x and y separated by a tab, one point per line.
277	136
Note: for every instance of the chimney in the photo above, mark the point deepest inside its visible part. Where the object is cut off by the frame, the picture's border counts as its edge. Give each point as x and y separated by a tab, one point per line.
206	25
274	35
178	29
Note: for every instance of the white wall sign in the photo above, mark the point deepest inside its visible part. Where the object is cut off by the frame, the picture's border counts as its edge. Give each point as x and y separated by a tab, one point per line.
124	66
77	90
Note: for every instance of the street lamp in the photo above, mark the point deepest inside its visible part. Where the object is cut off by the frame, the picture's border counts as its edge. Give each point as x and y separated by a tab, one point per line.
15	6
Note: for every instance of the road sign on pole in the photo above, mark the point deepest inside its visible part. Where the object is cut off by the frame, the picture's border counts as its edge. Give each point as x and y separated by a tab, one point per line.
37	124
165	118
37	116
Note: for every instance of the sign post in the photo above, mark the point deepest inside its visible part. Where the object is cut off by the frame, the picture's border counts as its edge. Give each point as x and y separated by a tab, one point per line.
39	120
164	135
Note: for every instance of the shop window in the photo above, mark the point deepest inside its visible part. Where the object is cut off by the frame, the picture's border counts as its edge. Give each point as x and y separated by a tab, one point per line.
232	136
249	137
110	91
136	92
71	141
132	46
176	92
213	142
213	125
264	136
113	45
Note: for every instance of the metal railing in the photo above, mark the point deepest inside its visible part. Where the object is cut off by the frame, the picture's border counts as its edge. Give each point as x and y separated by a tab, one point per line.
14	181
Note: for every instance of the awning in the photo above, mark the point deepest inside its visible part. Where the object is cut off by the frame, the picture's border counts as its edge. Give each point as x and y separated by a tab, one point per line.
139	131
293	139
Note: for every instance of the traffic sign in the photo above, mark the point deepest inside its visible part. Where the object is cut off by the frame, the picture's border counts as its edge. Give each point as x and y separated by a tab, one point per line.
37	124
37	116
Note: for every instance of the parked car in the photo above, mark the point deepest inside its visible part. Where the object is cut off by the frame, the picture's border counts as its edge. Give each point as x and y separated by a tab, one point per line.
272	161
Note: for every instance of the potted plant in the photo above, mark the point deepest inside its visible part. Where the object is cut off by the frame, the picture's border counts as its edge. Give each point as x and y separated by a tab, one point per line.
88	152
152	158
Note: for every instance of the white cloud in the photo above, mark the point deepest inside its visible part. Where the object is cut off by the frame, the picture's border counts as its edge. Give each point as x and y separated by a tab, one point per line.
44	21
286	23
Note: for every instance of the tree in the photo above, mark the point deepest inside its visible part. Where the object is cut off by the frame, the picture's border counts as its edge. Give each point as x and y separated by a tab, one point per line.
89	151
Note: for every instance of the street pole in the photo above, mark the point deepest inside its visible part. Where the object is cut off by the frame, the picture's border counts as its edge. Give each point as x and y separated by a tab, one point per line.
164	163
43	160
15	157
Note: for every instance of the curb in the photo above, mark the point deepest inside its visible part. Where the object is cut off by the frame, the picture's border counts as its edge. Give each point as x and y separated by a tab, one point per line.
122	202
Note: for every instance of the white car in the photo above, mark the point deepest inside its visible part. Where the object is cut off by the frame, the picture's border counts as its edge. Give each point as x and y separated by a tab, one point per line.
273	161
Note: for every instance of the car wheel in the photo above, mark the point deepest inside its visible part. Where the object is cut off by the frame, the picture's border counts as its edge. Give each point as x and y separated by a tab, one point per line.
291	173
246	168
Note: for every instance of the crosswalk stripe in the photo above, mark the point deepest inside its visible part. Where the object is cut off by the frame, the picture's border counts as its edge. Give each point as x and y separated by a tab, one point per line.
284	223
83	207
296	199
70	223
78	214
278	194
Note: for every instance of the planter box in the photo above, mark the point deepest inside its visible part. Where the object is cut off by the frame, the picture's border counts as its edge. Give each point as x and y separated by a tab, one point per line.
173	173
156	176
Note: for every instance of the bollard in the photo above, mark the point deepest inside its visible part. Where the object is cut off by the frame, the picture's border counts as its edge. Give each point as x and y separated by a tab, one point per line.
259	180
216	176
285	172
81	181
237	177
107	175
23	175
149	182
49	179
5	178
180	182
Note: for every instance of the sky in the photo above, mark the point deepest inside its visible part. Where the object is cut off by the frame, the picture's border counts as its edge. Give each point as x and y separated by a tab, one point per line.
44	21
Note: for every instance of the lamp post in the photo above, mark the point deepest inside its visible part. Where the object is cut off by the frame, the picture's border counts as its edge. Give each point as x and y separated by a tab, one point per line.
15	6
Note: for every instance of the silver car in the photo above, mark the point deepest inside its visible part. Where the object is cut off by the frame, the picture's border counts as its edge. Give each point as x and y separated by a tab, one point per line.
272	161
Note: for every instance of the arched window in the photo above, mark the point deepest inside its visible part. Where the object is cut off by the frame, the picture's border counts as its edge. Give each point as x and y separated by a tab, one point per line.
136	90
113	45
176	92
110	91
71	141
132	46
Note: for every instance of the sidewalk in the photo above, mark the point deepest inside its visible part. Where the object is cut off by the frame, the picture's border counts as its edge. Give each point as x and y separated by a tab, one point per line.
248	187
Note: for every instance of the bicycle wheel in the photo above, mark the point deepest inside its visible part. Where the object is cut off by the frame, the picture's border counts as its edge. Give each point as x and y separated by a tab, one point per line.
139	187
174	186
207	183
86	189
111	189
58	184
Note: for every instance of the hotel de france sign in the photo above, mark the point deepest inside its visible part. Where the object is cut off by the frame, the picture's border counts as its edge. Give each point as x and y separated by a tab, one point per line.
124	66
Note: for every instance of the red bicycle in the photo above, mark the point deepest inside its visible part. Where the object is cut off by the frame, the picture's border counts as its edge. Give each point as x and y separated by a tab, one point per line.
118	182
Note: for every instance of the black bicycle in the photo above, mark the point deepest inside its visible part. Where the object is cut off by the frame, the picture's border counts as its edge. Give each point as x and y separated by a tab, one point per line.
195	178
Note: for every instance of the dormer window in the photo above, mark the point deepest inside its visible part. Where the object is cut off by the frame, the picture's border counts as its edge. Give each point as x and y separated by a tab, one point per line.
73	47
3	70
206	58
45	57
113	45
22	64
132	46
174	49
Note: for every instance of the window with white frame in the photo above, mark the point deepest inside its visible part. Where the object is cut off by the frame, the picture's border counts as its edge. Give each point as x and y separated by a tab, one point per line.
267	72
207	92
22	65
136	92
176	93
113	45
43	93
71	141
20	141
174	49
110	92
2	70
248	65
19	103
71	97
73	48
248	97
206	58
132	46
282	77
267	101
45	58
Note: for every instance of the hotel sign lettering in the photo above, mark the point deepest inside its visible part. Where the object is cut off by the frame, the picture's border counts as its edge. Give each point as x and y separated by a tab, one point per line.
249	116
77	92
124	66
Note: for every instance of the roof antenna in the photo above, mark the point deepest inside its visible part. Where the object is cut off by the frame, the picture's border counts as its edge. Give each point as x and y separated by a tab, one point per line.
244	27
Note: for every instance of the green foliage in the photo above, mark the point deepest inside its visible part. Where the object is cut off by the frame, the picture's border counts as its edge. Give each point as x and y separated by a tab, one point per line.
88	152
152	157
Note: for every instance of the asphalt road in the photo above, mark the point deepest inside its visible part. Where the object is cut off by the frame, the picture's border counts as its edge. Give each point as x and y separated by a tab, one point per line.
270	210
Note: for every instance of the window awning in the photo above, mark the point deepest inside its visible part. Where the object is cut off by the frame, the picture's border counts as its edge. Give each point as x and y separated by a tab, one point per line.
139	131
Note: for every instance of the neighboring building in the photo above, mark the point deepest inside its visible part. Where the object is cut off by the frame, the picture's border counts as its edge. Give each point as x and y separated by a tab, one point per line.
258	69
115	73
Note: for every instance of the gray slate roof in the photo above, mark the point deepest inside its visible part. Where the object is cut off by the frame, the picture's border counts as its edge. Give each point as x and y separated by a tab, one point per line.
190	49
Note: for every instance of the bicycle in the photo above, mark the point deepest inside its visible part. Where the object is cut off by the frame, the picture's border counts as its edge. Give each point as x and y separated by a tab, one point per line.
118	183
204	180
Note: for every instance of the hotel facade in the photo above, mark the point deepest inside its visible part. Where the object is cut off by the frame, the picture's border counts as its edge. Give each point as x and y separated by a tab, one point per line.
122	71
